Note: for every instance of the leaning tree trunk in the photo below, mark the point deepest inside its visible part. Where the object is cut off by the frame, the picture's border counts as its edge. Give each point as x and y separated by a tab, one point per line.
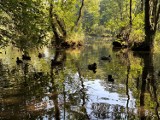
58	26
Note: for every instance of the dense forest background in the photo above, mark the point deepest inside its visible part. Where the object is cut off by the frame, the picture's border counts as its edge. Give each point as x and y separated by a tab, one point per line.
39	22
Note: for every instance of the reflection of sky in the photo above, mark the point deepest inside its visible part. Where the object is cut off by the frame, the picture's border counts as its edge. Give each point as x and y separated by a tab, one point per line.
98	94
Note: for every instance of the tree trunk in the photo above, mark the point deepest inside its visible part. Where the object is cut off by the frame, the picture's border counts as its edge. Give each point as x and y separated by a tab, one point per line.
152	11
58	27
147	75
151	20
149	35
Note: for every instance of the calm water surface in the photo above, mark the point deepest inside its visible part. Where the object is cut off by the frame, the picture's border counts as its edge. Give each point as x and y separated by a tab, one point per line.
69	91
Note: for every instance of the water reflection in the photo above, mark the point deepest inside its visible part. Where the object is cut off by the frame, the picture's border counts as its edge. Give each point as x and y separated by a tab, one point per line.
59	86
104	103
148	85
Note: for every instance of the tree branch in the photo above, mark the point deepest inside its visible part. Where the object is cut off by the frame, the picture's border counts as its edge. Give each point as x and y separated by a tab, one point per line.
80	12
79	15
52	21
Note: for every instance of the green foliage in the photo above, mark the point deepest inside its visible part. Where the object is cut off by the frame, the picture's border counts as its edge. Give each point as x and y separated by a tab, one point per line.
91	15
137	33
115	16
25	23
98	29
114	26
157	42
67	11
75	37
5	25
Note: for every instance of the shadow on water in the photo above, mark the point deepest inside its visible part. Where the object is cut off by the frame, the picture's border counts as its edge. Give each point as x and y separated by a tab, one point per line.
60	86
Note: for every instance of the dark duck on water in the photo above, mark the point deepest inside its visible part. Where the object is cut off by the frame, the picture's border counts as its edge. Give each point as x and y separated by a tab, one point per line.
26	57
110	79
92	67
41	55
106	58
18	61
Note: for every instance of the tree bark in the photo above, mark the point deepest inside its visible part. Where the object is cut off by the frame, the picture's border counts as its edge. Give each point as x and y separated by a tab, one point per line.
151	20
148	39
52	22
58	26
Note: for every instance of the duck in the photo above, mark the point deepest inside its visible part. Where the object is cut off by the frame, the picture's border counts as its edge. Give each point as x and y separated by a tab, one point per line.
41	55
110	79
55	63
92	66
18	61
26	57
106	58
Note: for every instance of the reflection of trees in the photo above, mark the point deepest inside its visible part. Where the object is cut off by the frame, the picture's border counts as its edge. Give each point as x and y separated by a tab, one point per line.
76	95
83	93
148	83
23	93
57	64
128	72
55	97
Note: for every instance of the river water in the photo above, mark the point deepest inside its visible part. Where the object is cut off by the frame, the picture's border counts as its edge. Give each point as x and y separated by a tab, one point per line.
67	90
